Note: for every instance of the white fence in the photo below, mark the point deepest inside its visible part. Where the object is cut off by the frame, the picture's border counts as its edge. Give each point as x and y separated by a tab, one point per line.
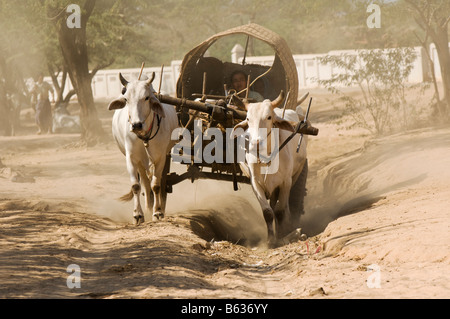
106	83
310	70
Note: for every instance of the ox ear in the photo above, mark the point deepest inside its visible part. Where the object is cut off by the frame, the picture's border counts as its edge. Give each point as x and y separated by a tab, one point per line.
243	125
283	124
117	104
156	106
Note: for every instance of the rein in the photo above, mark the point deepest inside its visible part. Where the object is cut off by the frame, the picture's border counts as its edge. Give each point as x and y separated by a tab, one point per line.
147	137
269	147
297	130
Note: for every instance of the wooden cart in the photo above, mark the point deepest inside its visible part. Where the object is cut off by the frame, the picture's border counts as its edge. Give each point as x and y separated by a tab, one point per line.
203	94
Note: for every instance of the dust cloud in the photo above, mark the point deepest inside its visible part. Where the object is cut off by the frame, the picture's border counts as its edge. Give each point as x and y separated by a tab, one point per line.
212	209
358	180
216	212
351	183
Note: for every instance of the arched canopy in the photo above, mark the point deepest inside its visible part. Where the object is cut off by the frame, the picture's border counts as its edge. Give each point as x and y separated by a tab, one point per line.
283	73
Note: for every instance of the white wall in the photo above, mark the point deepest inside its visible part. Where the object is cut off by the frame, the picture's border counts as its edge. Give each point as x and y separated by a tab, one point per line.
435	58
106	83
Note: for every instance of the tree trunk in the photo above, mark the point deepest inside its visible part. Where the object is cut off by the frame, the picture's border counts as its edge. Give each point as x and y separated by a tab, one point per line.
432	17
59	87
74	50
442	48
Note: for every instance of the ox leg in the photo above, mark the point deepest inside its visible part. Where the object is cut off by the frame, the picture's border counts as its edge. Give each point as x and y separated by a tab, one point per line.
297	196
147	190
158	207
282	213
268	217
267	211
138	214
274	198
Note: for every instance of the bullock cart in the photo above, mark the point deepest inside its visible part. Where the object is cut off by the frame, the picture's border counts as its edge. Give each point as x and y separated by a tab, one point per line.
205	100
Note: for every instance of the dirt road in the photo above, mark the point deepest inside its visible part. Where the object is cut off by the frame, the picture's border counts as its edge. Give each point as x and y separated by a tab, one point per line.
377	216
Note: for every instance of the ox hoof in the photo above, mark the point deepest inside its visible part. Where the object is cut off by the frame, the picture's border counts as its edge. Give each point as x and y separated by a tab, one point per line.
158	216
273	243
139	219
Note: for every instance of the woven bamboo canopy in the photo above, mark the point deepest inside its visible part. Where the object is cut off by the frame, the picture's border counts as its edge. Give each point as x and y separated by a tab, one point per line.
282	76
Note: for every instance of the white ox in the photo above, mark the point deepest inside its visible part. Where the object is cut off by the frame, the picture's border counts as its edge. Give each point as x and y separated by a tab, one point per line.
274	186
139	118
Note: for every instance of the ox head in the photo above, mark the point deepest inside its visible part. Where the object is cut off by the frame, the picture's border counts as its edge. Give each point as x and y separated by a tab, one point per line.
141	101
261	118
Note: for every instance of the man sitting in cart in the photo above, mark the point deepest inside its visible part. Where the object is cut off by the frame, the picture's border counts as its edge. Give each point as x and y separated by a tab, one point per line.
239	83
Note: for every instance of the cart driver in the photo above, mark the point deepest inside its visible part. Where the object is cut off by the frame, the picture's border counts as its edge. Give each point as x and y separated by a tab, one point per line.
239	83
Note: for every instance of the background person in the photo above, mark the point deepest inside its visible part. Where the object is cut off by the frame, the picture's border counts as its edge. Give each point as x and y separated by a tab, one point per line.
43	108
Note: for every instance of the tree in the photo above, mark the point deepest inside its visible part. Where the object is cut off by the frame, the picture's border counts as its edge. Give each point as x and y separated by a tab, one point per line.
93	45
119	34
75	53
17	55
381	77
433	17
55	64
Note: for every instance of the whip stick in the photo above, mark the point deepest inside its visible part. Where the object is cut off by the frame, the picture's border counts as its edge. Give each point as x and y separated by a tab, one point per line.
306	118
142	69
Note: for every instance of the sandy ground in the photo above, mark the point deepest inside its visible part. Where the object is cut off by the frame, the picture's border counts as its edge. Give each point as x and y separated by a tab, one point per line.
377	220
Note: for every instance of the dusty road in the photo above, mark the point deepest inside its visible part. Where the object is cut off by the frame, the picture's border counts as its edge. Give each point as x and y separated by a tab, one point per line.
378	217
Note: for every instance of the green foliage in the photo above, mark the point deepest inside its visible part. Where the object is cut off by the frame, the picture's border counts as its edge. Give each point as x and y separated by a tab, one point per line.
128	32
381	77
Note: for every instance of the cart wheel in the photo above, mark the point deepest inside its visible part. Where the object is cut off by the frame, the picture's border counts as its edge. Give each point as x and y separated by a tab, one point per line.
164	185
297	196
235	183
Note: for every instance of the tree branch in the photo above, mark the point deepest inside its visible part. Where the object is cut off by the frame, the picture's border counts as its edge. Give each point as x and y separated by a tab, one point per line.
54	76
69	96
89	7
100	66
444	25
419	10
423	21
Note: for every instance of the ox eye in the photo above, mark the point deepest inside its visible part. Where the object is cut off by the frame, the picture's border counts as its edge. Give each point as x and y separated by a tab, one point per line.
269	117
147	98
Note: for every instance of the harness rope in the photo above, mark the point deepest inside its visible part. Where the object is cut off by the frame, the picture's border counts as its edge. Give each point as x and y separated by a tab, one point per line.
147	136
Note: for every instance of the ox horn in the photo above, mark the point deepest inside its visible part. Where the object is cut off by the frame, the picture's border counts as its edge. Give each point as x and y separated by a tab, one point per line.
122	80
277	102
149	81
300	100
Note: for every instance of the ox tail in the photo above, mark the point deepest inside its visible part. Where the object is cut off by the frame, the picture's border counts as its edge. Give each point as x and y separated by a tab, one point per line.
127	197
